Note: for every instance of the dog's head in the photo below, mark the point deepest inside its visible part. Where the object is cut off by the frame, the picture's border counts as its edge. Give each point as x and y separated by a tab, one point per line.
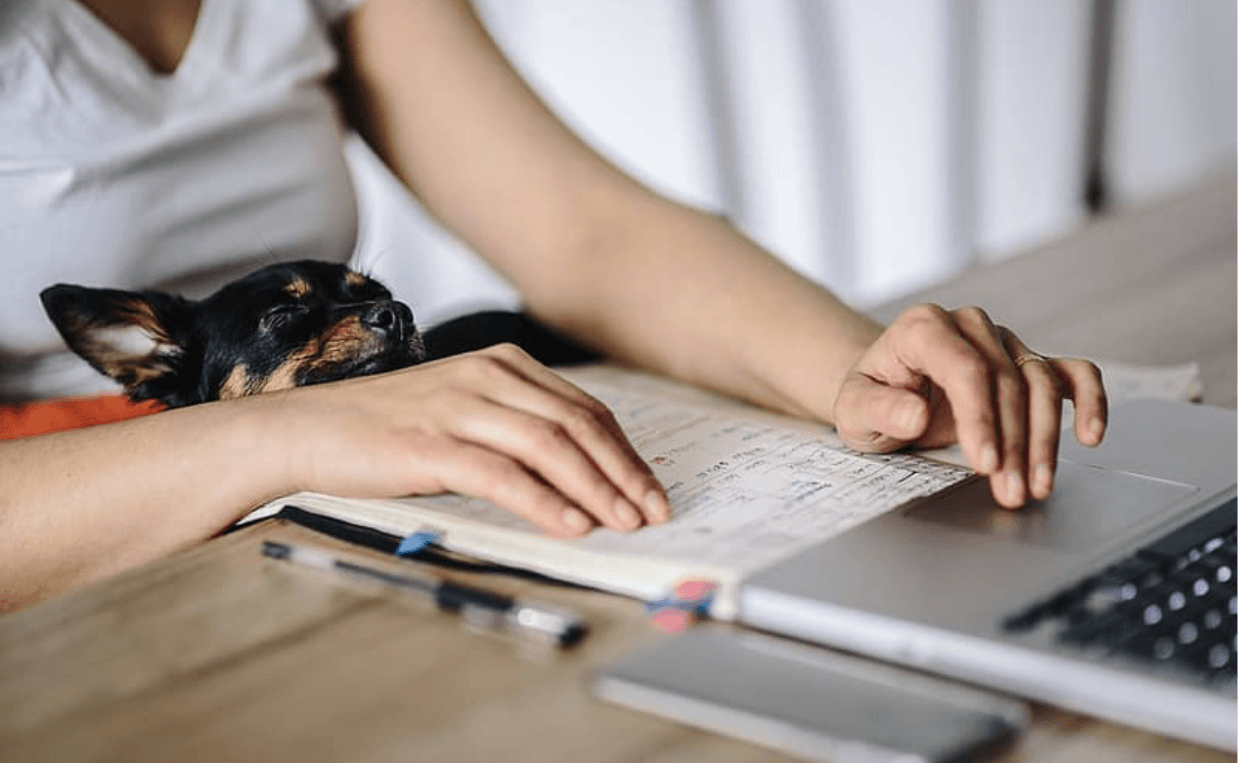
284	326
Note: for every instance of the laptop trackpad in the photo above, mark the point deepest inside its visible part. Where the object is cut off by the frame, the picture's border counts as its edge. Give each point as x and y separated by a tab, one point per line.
1088	505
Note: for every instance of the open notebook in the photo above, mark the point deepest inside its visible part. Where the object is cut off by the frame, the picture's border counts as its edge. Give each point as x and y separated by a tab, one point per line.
747	489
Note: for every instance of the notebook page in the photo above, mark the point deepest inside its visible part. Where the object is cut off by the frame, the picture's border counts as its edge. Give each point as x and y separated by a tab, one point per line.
746	488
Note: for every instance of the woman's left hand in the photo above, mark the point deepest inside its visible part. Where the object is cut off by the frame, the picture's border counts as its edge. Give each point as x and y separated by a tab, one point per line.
935	377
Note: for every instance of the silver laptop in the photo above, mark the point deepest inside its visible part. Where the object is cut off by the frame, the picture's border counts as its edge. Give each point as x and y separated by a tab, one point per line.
1115	597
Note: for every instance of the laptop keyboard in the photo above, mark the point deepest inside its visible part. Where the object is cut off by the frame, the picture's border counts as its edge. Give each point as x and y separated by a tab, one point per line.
1172	602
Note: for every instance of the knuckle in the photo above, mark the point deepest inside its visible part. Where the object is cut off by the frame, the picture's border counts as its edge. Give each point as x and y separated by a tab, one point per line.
1091	369
973	315
597	410
922	332
1010	385
641	481
1038	374
484	367
549	435
1052	383
508	351
925	312
581	421
1079	365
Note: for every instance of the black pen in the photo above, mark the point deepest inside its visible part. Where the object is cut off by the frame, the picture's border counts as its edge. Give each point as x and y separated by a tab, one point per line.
480	607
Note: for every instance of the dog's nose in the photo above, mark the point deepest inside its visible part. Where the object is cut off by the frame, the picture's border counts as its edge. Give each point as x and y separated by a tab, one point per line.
389	317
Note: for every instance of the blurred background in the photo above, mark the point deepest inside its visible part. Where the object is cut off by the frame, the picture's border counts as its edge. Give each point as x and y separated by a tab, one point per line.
877	145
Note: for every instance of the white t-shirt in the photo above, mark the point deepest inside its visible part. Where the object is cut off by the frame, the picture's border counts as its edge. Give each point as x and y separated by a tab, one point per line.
113	175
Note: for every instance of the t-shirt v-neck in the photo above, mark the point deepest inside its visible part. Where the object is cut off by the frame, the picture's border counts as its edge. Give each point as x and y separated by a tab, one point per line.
130	67
123	53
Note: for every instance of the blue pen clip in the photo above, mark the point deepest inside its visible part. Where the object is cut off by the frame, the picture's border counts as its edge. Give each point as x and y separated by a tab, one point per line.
415	542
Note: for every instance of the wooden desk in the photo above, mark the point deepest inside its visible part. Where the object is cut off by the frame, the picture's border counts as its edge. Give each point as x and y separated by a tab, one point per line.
219	654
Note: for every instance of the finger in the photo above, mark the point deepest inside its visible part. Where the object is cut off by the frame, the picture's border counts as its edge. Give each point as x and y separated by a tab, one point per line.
588	420
873	417
1009	398
1086	388
548	450
537	373
468	469
927	340
1045	390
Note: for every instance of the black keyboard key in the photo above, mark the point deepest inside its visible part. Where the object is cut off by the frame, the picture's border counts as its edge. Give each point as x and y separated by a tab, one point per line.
1211	657
1188	633
1172	598
1153	614
1212	619
1220	656
1150	647
1217	569
1217	523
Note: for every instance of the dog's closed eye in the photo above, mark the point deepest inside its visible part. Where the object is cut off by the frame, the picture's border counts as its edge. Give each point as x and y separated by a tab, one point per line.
280	316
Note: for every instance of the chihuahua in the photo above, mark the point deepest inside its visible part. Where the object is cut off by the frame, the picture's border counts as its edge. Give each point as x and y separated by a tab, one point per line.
283	326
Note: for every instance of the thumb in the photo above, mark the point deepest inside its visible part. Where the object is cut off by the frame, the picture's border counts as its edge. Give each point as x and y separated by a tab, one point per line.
873	417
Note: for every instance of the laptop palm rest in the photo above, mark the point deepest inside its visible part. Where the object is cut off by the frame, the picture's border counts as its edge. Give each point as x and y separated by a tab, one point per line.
1089	506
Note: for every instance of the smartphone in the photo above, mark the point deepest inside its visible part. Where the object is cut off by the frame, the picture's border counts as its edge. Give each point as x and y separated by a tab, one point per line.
808	701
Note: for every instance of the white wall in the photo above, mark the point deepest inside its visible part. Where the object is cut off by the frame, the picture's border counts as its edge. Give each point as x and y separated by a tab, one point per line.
1174	89
1032	94
866	159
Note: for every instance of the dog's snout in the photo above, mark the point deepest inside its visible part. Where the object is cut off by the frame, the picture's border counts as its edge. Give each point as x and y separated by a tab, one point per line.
381	316
389	317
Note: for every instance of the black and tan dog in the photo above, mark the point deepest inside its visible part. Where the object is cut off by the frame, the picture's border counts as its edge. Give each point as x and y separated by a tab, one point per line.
286	325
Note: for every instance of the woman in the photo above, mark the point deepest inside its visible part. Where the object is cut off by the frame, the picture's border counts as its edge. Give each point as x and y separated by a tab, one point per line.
175	143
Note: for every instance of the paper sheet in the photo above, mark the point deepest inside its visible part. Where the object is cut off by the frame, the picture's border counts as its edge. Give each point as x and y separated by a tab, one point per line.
744	494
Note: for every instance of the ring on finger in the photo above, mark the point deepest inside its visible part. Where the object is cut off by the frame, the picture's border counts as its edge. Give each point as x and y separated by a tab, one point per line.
1029	357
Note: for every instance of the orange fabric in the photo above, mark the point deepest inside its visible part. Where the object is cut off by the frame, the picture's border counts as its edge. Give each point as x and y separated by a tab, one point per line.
29	419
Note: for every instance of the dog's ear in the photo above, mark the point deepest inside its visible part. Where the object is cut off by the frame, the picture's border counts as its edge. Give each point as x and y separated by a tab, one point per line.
137	338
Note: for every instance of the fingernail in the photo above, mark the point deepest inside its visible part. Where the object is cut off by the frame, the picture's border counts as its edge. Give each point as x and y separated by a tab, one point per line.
988	459
656	505
1096	429
576	521
1014	488
625	515
1043	478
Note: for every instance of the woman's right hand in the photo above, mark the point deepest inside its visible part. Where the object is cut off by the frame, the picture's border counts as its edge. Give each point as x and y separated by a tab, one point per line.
494	424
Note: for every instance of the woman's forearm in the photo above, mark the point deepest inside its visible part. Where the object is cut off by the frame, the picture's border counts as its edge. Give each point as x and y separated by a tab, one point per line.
591	250
685	293
79	505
